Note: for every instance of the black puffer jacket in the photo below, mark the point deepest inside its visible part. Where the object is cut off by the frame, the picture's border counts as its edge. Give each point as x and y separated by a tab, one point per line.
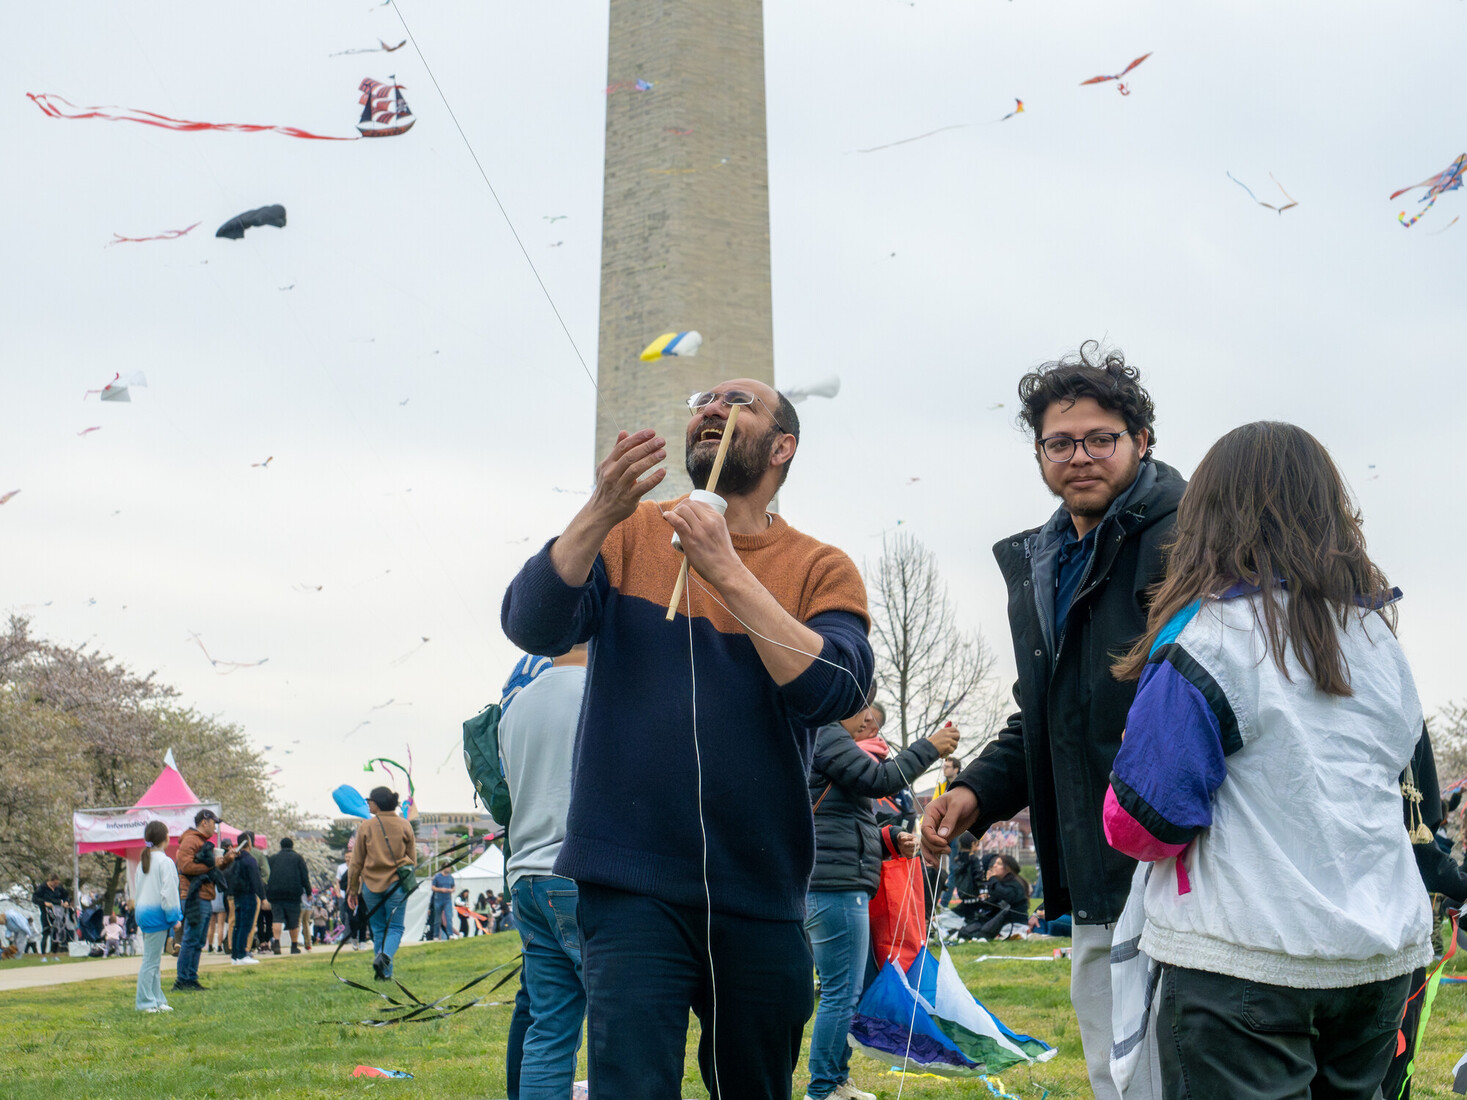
844	779
1055	753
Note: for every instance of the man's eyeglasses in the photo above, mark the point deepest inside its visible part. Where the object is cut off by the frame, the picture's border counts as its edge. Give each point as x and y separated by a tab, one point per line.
700	401
1098	445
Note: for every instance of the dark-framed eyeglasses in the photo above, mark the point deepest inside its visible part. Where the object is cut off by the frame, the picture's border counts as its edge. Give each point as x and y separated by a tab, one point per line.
1098	445
700	401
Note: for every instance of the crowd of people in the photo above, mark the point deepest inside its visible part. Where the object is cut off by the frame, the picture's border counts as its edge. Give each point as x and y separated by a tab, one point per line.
664	779
1236	628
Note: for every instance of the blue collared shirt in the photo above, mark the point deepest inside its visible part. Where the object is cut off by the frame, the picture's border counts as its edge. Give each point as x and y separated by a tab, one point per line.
1074	560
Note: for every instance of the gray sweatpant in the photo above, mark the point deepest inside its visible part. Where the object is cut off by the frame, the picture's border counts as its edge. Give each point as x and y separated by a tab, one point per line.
1090	994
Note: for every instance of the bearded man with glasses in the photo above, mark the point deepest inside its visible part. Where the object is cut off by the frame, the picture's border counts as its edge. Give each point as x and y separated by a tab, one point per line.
689	833
1078	596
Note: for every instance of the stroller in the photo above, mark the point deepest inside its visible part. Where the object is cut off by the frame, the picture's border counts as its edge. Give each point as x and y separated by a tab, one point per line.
89	930
60	925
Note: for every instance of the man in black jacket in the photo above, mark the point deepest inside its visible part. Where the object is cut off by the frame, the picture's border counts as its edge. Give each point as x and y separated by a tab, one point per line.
289	881
1078	596
247	889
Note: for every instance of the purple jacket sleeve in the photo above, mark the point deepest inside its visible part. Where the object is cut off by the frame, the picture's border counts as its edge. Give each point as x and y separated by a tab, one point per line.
1172	759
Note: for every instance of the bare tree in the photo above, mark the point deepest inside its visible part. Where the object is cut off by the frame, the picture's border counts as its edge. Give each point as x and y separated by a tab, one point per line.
1449	746
926	664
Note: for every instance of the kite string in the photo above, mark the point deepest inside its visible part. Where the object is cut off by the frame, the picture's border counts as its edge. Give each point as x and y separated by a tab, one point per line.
703	831
495	195
932	917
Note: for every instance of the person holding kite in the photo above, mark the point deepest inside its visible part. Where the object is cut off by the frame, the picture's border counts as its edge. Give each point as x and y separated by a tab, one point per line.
1273	695
687	729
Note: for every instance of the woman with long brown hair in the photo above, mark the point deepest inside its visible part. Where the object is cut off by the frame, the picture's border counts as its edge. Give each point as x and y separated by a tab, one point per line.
1259	772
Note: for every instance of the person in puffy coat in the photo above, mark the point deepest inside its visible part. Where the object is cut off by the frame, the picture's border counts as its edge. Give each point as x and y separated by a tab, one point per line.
849	848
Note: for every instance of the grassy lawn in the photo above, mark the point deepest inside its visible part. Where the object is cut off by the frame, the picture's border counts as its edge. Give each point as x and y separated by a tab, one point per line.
259	1031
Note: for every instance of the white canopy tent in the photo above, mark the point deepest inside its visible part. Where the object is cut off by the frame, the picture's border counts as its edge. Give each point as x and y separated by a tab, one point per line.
485	873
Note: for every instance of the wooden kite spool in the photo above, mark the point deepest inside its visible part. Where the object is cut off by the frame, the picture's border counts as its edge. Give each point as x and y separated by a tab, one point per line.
682	576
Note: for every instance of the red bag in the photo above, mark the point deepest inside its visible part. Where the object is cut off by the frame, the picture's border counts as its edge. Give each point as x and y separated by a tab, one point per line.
898	913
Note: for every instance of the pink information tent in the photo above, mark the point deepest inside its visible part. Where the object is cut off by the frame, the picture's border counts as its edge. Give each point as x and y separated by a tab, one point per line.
118	830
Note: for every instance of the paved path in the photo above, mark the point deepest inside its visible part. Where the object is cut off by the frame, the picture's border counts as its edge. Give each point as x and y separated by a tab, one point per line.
29	977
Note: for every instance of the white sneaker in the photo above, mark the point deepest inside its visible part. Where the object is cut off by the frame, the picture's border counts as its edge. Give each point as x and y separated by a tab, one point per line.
165	1008
249	960
151	1011
847	1090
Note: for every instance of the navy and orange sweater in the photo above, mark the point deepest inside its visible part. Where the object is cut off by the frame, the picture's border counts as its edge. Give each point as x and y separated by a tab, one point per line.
634	822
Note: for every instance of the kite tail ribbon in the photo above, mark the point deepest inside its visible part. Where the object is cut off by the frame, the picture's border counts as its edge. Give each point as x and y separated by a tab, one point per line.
1401	217
1427	993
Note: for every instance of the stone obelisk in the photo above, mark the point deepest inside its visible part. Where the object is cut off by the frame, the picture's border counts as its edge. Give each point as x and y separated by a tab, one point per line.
685	213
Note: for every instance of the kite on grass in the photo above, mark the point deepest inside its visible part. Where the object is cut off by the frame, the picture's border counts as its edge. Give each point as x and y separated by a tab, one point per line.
228	666
1293	202
1449	179
57	107
116	390
235	227
672	344
169	235
373	1071
1117	78
928	1021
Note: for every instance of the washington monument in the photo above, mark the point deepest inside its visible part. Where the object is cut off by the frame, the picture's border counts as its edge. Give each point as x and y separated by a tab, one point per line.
685	212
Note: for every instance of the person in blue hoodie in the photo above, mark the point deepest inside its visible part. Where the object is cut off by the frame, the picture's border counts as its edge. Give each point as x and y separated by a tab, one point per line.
157	909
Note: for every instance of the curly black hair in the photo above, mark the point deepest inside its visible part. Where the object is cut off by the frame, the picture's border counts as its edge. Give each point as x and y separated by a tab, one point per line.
1089	372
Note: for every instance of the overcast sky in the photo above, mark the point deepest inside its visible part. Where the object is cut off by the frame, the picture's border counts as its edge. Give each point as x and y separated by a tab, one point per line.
423	407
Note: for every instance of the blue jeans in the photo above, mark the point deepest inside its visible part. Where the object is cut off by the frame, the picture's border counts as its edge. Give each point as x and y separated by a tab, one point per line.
195	921
386	922
438	926
545	914
839	924
519	1026
150	980
951	887
244	924
647	962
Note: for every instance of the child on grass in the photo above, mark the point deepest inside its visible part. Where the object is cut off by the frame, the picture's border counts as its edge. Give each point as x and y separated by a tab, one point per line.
156	891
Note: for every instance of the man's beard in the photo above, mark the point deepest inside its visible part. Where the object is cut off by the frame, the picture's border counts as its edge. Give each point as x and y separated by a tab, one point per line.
743	465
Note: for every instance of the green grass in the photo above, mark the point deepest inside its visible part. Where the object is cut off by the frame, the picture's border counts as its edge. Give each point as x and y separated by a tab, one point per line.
258	1032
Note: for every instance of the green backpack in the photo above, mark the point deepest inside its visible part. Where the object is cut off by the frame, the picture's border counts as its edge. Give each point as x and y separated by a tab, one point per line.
481	758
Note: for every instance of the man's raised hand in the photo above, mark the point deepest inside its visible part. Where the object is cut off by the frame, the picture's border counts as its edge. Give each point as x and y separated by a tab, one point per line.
618	488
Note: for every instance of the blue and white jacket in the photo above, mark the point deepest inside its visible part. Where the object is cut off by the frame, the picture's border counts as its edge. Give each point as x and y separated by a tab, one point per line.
1272	810
155	894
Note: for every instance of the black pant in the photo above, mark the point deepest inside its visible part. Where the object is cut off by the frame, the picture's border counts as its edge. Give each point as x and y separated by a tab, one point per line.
244	918
1227	1037
646	963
